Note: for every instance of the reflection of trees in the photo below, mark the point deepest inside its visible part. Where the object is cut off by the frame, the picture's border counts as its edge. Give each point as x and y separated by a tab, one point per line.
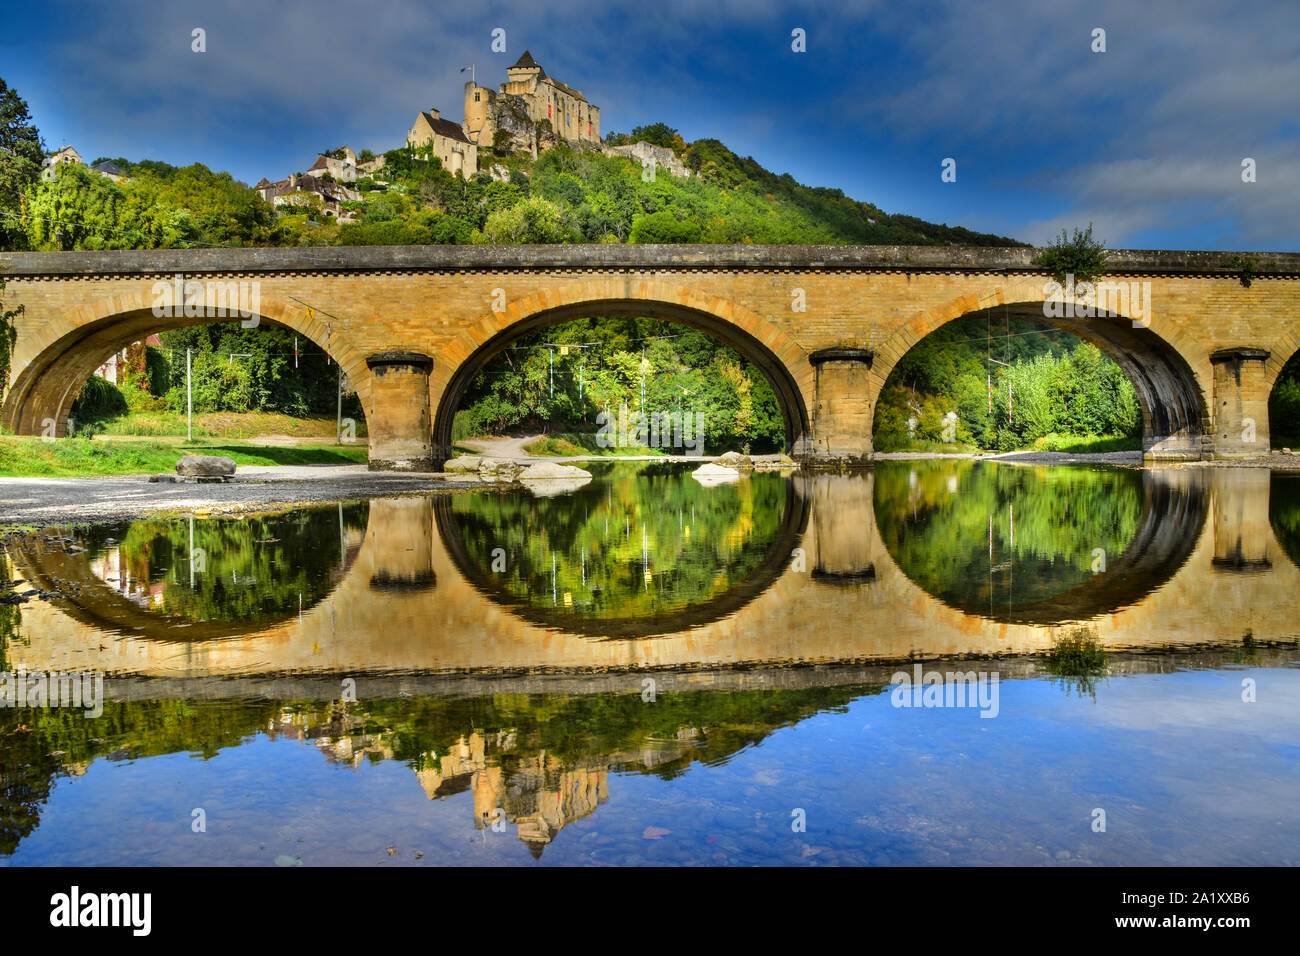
252	569
11	615
591	550
934	518
39	745
1284	513
510	749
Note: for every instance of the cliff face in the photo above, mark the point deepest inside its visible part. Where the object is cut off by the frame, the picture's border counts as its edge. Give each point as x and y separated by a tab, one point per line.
511	114
646	153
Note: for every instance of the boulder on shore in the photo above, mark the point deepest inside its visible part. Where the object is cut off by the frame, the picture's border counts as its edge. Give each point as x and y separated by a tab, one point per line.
463	463
206	466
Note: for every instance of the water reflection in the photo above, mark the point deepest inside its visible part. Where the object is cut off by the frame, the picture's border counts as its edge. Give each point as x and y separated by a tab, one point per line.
641	551
1040	544
500	646
917	559
188	579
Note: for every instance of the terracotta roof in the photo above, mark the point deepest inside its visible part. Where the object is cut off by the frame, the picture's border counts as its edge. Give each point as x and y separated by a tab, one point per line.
445	127
320	163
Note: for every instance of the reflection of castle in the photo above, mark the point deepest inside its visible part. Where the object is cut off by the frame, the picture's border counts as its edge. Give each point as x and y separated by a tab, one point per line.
539	793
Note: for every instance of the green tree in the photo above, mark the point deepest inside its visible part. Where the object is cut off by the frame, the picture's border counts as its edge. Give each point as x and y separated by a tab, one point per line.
664	227
535	220
21	154
658	134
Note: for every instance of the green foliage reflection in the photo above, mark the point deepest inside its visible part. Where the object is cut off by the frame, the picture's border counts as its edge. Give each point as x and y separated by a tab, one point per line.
254	569
1046	525
638	541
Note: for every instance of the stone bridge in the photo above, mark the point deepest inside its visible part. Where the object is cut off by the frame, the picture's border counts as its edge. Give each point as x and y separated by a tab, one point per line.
410	326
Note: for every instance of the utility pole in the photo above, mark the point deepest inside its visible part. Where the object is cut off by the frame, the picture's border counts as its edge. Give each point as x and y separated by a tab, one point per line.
189	397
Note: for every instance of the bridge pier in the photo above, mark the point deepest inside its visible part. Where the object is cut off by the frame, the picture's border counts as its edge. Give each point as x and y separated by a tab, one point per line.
842	413
1241	392
844	521
401	435
1242	529
401	534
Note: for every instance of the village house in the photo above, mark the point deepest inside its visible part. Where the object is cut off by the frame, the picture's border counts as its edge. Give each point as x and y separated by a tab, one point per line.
115	365
295	190
66	156
109	169
339	163
444	139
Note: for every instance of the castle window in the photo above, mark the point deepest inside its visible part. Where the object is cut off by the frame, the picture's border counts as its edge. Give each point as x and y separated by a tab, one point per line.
476	96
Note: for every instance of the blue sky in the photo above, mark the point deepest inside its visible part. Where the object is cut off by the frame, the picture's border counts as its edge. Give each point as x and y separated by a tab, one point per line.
1145	140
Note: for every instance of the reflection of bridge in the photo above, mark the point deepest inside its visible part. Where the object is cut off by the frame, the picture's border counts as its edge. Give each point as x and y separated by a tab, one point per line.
412	326
850	602
107	610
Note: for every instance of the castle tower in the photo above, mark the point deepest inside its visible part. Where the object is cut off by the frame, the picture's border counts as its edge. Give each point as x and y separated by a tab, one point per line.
479	106
524	75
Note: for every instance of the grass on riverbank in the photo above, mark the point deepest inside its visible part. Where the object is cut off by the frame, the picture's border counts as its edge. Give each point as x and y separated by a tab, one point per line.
1086	444
159	423
23	457
1073	444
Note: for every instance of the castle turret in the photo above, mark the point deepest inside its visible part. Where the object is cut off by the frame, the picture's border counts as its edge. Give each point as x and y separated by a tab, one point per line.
479	125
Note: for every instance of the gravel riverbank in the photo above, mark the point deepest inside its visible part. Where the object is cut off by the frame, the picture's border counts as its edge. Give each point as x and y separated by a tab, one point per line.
62	501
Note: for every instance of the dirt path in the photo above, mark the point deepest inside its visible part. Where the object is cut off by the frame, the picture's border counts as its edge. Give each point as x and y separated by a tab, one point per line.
502	447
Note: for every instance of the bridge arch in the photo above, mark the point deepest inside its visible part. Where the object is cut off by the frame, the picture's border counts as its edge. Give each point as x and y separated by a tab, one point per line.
56	358
767	346
1169	371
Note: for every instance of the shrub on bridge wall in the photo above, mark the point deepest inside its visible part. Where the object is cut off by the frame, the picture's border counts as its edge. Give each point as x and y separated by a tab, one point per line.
1080	256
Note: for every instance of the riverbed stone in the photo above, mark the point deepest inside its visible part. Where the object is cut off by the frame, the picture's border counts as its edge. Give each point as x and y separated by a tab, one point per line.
500	469
463	463
734	459
206	466
712	474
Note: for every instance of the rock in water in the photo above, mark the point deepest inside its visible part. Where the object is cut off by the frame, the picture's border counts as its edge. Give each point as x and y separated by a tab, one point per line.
734	459
206	466
498	469
712	474
546	470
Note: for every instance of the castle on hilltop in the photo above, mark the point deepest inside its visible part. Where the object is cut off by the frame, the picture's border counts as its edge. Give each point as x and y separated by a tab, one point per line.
532	108
533	111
